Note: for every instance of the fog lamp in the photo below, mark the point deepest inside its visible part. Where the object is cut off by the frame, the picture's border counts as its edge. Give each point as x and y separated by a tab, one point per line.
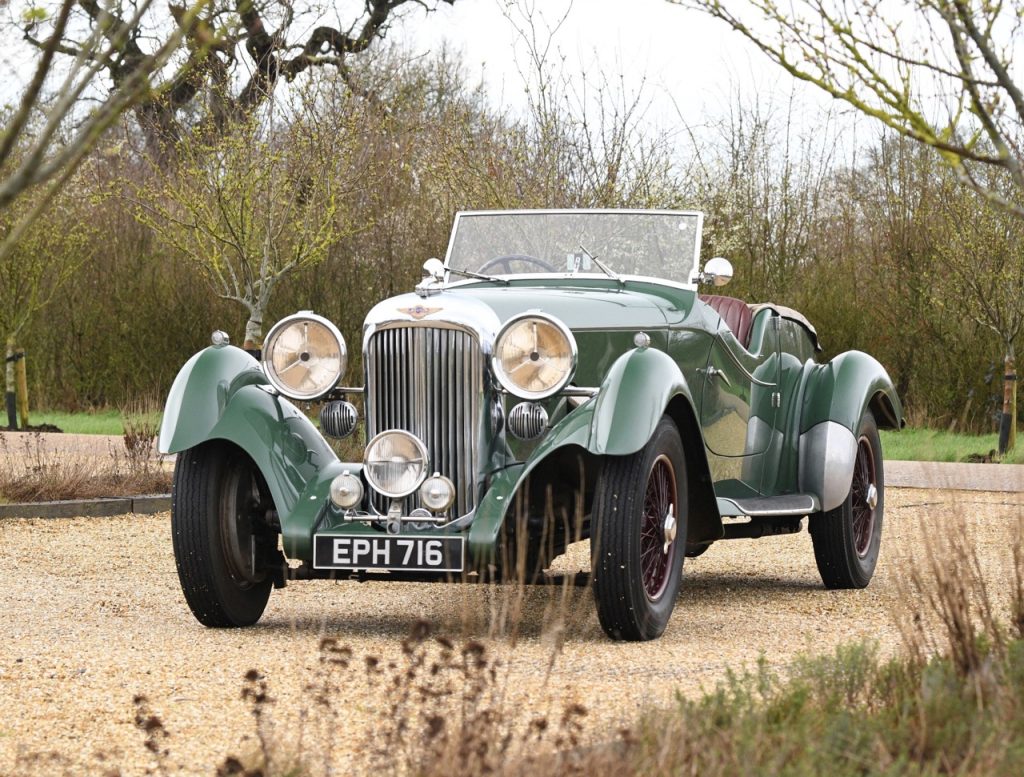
346	491
437	493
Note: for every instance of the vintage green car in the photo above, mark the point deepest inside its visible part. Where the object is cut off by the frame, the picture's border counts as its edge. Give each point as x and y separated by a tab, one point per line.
557	378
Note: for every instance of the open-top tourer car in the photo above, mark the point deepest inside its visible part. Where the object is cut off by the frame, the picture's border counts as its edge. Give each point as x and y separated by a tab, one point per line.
557	378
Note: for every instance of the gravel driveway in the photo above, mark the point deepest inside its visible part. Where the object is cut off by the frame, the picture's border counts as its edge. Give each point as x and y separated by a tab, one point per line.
91	614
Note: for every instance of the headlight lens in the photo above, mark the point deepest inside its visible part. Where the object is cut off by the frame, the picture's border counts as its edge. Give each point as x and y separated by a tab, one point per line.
534	356
395	463
304	356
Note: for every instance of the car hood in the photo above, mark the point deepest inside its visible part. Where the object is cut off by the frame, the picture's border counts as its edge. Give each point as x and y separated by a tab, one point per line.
487	308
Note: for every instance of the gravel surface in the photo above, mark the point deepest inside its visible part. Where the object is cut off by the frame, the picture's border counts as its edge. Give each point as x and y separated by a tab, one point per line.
91	615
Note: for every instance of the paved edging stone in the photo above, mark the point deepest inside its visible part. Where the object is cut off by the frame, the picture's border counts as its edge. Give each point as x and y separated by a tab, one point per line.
89	508
956	476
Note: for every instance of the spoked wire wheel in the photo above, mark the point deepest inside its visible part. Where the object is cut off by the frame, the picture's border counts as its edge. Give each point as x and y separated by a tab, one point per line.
638	536
847	539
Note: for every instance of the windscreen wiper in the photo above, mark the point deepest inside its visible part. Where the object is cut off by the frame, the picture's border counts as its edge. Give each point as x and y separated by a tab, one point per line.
604	268
479	276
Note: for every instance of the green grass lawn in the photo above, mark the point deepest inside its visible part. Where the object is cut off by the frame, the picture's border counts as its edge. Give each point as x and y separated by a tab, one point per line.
93	422
932	445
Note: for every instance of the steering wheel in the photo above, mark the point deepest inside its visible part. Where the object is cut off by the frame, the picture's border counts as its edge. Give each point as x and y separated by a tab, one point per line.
506	262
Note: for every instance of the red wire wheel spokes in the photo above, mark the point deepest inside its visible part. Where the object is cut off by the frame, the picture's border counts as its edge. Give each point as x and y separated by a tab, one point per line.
661	496
864	497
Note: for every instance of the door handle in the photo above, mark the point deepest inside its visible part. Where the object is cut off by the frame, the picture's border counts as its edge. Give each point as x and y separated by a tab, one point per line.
715	373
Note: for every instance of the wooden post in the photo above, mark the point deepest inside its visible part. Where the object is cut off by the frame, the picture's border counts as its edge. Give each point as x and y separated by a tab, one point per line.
9	397
1008	420
22	373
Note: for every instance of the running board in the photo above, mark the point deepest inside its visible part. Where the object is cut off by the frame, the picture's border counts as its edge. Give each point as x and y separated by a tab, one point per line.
787	505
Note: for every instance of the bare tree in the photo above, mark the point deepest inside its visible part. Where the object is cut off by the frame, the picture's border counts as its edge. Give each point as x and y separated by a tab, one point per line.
238	50
936	71
46	137
982	253
254	206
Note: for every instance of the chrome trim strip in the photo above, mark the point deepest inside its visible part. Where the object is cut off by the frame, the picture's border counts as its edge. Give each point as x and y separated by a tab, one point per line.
534	276
736	360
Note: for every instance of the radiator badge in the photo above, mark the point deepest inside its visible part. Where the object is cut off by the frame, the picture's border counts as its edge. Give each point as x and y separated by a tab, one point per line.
418	311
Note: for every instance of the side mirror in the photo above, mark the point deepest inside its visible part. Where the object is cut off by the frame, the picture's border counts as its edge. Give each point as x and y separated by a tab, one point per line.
717	272
433	269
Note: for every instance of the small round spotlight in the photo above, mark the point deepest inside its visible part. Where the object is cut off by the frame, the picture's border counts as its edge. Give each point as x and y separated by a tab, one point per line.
437	493
346	491
219	339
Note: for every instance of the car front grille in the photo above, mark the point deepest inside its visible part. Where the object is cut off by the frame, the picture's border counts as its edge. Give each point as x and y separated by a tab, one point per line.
429	381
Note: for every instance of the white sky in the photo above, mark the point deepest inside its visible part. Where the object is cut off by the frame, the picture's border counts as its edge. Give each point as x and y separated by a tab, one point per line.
687	65
688	59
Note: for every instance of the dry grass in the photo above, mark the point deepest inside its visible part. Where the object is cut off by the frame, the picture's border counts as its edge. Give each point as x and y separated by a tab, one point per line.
36	473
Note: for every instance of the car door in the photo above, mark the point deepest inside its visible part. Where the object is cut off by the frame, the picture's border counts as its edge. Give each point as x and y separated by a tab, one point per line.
739	402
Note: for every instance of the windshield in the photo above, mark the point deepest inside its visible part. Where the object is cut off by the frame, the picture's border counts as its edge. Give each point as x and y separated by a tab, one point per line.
658	244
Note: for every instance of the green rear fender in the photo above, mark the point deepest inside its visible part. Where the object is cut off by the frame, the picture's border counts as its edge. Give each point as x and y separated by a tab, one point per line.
632	399
836	396
843	388
219	395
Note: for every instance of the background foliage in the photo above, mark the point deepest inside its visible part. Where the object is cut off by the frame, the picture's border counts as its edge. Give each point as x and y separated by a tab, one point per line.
870	243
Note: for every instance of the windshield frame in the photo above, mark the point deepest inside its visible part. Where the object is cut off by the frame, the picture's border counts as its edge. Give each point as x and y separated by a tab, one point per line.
691	283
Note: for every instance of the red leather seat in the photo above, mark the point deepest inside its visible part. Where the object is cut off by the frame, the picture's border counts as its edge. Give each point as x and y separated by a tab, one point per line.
735	313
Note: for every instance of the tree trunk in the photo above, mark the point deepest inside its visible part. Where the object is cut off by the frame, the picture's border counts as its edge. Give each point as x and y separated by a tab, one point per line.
253	342
1011	379
9	394
1008	422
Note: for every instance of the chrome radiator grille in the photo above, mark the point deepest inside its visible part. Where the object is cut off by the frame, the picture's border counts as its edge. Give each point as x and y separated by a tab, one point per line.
429	381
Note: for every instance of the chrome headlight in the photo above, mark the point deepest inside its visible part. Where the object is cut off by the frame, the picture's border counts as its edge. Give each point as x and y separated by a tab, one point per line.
304	356
534	356
395	463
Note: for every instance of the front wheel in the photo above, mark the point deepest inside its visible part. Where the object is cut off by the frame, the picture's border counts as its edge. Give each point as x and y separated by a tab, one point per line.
847	539
639	534
223	547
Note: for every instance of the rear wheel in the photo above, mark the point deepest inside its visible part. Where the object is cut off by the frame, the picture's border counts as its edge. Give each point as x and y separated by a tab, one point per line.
224	549
847	539
639	537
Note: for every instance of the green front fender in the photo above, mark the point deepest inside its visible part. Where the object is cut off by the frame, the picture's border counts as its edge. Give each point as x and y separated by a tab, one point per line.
633	398
630	402
835	399
219	395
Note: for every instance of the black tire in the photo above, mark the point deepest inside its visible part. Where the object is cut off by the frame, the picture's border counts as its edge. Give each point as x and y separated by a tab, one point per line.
635	588
847	539
222	547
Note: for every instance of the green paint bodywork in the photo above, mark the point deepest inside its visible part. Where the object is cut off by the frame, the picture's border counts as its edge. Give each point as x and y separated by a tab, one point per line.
749	444
219	395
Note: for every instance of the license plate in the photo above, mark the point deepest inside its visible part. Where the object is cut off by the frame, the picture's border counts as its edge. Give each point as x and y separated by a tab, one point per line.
391	552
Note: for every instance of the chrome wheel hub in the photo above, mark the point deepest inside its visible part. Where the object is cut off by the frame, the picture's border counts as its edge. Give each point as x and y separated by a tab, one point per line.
872	496
669	529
